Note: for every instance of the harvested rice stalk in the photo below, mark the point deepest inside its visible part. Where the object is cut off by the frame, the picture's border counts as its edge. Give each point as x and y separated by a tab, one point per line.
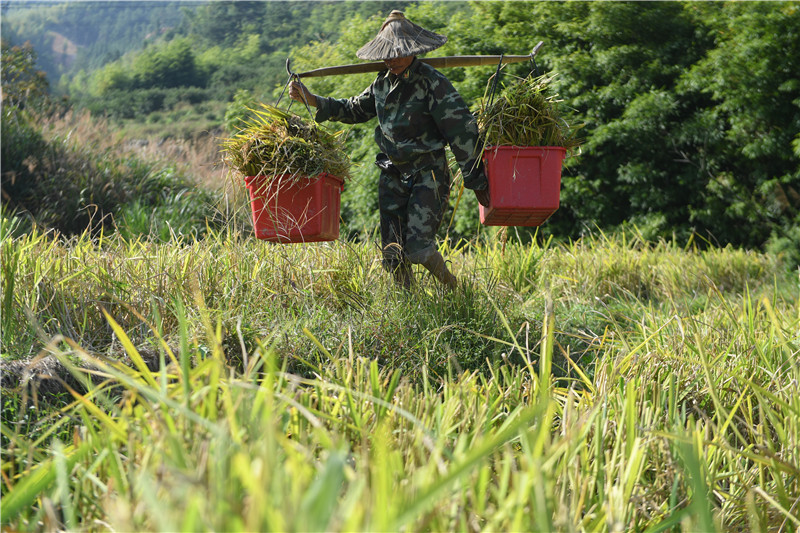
526	114
274	142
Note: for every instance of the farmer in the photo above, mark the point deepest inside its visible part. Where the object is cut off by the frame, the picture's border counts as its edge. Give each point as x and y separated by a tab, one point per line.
419	113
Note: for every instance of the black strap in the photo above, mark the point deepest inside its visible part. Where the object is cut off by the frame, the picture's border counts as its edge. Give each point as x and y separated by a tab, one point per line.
534	67
534	71
494	82
294	77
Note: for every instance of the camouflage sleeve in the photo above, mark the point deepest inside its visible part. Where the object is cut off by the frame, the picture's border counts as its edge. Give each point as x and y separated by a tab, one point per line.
353	110
458	126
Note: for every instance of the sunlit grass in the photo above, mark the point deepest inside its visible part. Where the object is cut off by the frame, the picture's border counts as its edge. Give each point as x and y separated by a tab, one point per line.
295	389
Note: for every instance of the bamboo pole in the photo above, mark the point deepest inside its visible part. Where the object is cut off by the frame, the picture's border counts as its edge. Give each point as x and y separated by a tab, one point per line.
435	62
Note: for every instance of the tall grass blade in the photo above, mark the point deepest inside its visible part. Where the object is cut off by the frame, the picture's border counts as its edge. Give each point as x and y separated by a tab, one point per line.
25	492
701	497
131	350
426	498
322	497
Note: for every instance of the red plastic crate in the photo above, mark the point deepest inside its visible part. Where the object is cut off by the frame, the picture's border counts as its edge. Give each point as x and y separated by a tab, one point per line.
287	209
524	184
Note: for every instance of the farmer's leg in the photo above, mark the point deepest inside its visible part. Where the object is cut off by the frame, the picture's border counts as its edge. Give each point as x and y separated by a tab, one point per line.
393	195
426	208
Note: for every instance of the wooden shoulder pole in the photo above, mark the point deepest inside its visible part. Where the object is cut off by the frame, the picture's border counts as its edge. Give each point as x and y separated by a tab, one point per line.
435	62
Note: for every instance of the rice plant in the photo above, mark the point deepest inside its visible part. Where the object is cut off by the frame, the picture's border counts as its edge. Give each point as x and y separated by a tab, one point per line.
680	413
275	142
526	114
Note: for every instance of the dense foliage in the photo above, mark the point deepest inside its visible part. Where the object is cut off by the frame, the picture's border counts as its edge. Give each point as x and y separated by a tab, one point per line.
23	84
73	189
691	110
690	113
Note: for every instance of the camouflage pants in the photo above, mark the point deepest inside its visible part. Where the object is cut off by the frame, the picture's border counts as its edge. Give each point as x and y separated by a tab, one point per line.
411	211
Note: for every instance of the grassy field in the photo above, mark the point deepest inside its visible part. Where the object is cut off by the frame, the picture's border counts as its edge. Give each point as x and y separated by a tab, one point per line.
228	384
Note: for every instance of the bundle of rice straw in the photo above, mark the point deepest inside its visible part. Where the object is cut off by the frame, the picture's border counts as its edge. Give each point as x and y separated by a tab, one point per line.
274	142
526	114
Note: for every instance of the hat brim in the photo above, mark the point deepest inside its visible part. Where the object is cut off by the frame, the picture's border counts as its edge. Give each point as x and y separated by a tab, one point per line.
400	38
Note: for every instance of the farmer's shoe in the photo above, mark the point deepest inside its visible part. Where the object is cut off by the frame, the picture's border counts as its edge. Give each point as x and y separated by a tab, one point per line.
436	265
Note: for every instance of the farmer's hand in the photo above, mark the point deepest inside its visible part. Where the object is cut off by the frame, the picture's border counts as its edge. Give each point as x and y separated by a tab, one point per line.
299	92
483	197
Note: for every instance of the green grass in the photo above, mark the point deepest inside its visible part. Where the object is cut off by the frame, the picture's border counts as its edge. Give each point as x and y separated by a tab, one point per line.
604	385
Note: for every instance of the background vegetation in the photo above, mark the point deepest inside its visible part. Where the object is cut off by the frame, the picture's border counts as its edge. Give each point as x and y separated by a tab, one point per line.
690	109
630	365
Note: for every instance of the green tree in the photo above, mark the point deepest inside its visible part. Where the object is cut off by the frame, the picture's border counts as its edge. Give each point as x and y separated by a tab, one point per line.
751	78
23	83
170	65
690	110
222	23
113	77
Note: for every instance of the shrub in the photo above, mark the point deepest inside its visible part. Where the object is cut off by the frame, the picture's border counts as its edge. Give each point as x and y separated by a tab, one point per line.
70	189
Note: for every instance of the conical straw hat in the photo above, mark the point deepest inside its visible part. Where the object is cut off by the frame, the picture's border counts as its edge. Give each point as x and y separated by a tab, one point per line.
399	37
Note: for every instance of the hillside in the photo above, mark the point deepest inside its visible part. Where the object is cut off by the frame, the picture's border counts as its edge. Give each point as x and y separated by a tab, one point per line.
98	33
94	33
667	146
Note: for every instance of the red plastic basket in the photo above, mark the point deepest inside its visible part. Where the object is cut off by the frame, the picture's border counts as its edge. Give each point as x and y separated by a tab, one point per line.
287	209
524	184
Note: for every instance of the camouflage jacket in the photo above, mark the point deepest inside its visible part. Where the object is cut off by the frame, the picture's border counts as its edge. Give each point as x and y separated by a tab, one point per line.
419	113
